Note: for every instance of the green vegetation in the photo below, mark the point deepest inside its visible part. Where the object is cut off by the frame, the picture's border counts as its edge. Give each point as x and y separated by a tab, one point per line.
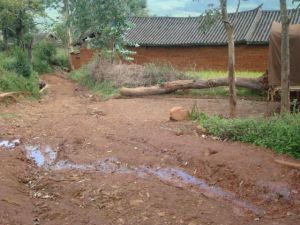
223	91
280	133
46	55
16	74
85	77
43	57
210	74
13	82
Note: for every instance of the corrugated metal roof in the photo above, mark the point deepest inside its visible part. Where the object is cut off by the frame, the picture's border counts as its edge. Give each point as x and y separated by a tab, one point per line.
250	27
262	30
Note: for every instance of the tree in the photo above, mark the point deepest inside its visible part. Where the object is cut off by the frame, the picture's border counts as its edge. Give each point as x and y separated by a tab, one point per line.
211	16
106	20
229	27
18	19
285	59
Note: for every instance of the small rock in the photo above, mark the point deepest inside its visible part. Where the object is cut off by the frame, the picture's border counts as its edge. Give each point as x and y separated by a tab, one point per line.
192	223
161	214
210	152
178	114
200	130
136	202
179	133
121	221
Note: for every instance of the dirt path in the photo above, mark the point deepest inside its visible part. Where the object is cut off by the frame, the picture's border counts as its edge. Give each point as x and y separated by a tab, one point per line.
122	162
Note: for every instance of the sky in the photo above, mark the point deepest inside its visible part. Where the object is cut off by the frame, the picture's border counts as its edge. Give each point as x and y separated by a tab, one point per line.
195	8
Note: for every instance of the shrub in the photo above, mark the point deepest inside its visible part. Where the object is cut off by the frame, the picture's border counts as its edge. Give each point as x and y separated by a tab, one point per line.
61	58
7	61
11	81
84	76
280	133
44	56
22	64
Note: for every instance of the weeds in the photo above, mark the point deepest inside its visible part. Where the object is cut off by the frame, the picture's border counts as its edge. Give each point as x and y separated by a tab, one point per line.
12	82
280	133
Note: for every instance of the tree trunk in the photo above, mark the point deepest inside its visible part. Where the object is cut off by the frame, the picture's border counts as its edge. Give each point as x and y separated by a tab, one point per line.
5	38
231	58
231	72
69	33
170	87
29	49
20	28
285	59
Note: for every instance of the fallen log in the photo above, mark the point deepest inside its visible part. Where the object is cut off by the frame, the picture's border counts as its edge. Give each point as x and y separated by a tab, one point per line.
169	87
10	96
288	164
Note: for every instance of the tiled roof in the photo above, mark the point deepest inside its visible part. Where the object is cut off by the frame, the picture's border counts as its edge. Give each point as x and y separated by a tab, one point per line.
263	27
251	27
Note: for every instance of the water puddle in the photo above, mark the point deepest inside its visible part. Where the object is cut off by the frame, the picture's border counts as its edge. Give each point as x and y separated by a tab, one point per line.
41	157
47	158
9	144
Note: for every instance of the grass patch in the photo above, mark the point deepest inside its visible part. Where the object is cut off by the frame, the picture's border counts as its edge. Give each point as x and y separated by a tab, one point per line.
8	115
280	133
105	89
210	74
223	91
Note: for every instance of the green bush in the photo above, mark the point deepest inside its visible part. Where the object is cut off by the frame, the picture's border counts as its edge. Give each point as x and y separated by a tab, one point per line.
10	81
61	58
7	61
280	133
43	57
16	61
22	63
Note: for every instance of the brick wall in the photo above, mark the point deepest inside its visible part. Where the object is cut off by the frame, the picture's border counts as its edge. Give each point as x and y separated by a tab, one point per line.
82	58
248	58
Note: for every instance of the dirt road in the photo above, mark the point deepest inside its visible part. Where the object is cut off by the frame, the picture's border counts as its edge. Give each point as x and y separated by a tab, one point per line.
89	162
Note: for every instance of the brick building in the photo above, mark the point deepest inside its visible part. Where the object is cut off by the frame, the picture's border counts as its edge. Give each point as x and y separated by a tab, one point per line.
179	42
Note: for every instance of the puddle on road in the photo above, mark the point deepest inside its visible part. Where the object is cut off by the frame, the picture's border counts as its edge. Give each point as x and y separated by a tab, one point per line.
47	158
9	144
41	156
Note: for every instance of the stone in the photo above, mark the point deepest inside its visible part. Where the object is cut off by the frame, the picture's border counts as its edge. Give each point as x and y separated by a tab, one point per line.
136	202
178	114
210	152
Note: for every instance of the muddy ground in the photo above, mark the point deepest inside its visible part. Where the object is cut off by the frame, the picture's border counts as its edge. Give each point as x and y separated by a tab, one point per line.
121	161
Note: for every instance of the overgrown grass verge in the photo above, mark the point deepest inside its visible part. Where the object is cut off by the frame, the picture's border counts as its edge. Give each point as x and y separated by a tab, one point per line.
12	82
224	91
16	75
84	76
211	74
280	133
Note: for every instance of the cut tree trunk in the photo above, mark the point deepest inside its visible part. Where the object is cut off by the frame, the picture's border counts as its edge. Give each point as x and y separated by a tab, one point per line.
169	87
